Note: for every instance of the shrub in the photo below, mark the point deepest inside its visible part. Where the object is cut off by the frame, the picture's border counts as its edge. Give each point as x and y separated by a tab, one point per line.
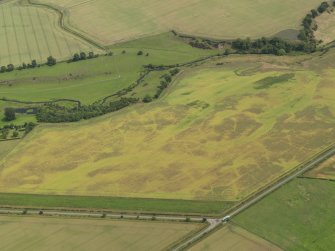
147	99
9	114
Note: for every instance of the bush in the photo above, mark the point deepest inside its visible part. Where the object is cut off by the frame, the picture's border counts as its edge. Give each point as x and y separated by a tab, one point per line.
140	53
51	61
174	72
323	7
281	52
15	134
147	99
9	114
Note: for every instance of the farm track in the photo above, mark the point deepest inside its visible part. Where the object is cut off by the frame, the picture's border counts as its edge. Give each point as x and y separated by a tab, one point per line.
63	26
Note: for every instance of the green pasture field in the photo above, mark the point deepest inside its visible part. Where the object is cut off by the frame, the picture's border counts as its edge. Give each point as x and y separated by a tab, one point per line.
45	233
109	203
298	216
233	238
112	21
219	133
91	80
94	79
28	33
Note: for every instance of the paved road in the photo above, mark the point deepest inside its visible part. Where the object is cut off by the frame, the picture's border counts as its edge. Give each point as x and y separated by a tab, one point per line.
64	213
216	222
213	223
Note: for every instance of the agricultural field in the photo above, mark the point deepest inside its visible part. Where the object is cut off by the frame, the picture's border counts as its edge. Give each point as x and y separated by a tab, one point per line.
29	33
326	28
112	21
6	147
298	216
256	118
31	233
233	238
326	170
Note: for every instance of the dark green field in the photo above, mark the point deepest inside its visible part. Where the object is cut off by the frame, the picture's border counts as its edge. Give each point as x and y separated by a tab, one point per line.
298	216
110	203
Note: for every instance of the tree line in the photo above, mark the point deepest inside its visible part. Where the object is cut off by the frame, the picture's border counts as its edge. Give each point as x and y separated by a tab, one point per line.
53	113
309	25
50	61
277	46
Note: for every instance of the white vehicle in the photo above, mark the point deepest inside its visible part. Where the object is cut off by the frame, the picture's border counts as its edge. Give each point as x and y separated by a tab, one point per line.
226	218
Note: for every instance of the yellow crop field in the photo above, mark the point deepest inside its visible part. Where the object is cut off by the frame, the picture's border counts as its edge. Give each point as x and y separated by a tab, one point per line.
233	238
218	133
111	21
56	234
28	33
326	27
324	171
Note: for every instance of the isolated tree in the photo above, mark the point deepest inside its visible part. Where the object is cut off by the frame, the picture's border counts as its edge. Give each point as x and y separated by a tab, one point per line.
123	52
147	99
51	61
82	55
10	67
140	53
9	114
3	69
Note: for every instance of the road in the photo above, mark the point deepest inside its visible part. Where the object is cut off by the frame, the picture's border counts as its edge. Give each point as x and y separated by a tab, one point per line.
214	223
96	214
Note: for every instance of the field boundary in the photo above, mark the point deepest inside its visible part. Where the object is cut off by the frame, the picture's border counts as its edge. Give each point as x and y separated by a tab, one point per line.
316	178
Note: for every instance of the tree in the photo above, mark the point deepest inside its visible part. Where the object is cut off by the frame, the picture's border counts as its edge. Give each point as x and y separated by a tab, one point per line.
91	55
76	57
82	55
4	133
24	66
123	52
3	69
147	99
323	7
10	67
140	53
314	13
15	134
10	114
51	61
227	52
33	63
